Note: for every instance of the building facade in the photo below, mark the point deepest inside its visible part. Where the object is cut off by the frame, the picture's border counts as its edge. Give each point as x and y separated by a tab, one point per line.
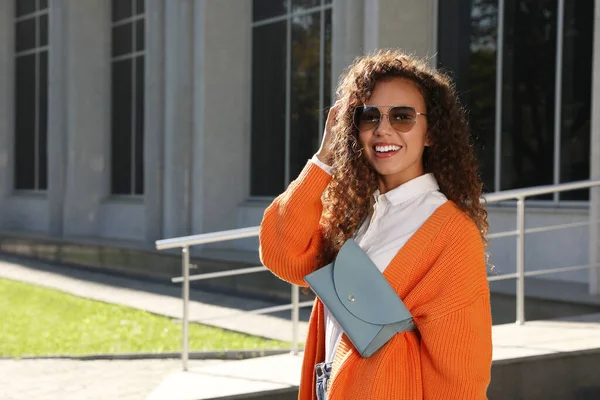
128	121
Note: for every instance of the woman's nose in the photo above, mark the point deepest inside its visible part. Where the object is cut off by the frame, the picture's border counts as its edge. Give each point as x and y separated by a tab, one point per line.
384	126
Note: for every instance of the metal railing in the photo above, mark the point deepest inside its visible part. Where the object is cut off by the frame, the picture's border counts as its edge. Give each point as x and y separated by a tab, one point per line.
520	195
185	242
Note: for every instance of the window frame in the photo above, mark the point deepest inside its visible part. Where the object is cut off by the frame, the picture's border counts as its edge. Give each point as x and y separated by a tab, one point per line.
40	10
135	56
555	200
558	82
287	16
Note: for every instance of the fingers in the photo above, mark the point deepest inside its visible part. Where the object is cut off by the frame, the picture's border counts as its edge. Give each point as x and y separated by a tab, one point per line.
333	111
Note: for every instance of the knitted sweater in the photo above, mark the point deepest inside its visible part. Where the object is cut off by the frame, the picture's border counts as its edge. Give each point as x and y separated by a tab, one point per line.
440	275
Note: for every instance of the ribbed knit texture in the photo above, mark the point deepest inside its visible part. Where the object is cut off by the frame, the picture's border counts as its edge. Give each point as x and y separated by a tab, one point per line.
440	275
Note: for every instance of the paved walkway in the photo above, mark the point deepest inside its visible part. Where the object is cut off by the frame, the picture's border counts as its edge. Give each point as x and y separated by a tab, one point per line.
256	375
513	344
164	380
86	380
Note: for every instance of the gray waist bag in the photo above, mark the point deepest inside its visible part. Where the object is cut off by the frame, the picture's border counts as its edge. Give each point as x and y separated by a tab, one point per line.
360	299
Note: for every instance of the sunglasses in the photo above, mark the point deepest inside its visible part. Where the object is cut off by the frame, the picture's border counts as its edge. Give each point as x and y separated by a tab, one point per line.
401	118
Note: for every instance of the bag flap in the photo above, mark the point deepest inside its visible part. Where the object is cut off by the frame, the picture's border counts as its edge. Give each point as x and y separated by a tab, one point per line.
363	290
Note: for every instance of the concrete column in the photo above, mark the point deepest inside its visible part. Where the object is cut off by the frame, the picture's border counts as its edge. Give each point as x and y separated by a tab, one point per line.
154	120
371	25
595	159
410	25
222	106
57	115
178	119
348	33
7	63
88	117
200	59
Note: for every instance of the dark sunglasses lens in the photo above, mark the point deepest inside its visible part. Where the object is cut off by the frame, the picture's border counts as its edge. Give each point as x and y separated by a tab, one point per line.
403	118
366	117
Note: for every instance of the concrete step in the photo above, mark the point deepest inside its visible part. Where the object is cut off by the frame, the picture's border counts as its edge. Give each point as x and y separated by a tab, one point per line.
273	377
548	360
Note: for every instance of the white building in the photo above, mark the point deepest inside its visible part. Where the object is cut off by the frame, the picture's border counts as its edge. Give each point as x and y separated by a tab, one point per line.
126	121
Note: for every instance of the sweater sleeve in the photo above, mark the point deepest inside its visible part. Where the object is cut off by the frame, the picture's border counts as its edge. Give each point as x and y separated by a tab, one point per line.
456	353
456	336
289	237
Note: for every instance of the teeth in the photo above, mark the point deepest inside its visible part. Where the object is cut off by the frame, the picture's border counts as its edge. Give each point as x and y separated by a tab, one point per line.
385	149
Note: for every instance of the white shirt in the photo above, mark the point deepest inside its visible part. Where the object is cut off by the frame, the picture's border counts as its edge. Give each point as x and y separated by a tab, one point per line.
396	216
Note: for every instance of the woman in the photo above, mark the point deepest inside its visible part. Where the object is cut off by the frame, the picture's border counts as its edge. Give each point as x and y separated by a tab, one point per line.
396	155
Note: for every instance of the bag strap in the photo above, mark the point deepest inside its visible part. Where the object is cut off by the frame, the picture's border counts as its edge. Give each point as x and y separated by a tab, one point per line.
360	225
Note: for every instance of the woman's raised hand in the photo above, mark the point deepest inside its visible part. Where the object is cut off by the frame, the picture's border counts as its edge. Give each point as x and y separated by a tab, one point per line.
325	153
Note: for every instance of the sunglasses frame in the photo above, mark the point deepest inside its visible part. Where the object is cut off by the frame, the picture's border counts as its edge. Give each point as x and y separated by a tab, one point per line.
381	114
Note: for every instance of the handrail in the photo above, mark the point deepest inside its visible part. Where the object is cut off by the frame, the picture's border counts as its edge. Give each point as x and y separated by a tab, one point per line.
222	274
203	238
185	242
233	234
503	277
539	190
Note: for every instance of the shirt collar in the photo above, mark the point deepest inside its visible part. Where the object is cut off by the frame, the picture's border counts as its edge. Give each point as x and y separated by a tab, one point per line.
420	185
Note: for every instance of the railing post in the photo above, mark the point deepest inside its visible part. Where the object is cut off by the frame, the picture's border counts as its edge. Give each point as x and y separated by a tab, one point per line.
521	261
295	318
594	241
185	266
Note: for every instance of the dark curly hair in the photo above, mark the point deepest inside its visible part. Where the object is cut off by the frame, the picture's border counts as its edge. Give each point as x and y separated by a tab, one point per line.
450	156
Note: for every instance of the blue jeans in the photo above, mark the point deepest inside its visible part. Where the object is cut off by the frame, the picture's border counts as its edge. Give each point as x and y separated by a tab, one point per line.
323	372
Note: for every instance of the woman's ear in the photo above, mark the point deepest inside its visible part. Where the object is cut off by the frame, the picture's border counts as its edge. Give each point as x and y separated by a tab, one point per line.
427	140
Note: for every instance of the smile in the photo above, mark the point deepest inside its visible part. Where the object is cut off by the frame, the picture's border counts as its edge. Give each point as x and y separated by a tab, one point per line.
386	150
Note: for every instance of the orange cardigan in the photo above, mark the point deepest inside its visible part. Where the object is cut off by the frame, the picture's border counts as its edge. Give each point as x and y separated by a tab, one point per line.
440	275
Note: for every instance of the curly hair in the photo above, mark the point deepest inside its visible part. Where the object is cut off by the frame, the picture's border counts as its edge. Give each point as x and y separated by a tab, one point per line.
450	157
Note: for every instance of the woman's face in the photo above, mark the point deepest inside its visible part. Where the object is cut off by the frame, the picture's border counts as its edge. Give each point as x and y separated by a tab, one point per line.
396	156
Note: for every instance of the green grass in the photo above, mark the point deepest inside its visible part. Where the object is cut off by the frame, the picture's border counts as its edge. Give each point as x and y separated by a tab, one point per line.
36	321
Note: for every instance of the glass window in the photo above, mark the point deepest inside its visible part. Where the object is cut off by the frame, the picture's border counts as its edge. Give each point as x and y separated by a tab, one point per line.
140	6
286	125
43	120
25	34
31	95
528	94
122	39
468	48
302	5
139	125
44	30
25	142
127	116
268	109
326	89
264	9
468	43
42	102
121	9
304	118
140	35
24	7
578	36
121	126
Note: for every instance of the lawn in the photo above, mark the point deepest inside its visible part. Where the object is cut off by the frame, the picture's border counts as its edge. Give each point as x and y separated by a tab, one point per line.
36	321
